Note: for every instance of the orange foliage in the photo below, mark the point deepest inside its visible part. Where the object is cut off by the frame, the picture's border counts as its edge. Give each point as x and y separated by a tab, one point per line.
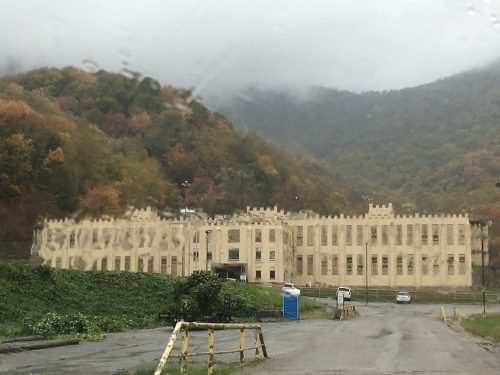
54	156
101	201
14	110
266	164
474	158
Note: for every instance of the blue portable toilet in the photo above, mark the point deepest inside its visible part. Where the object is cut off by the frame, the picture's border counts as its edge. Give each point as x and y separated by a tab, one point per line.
291	307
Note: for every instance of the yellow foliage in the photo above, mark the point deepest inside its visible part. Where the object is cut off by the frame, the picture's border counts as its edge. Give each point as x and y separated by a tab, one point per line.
267	166
14	110
140	121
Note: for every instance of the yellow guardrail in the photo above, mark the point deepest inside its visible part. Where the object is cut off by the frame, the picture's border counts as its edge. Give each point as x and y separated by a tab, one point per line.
183	327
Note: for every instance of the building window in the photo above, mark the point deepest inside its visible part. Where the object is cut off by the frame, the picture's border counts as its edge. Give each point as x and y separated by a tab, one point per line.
385	236
272	235
410	266
461	264
310	264
335	265
385	265
324	266
196	255
151	264
425	264
104	263
335	235
360	264
435	234
435	268
258	274
310	235
196	237
359	235
58	262
348	235
451	264
300	265
461	234
50	235
409	234
118	260
272	254
142	238
399	235
449	234
233	235
209	256
140	265
348	264
300	235
374	265
95	237
234	254
424	234
107	237
127	263
72	239
163	266
324	235
258	255
258	235
173	265
399	265
272	274
374	234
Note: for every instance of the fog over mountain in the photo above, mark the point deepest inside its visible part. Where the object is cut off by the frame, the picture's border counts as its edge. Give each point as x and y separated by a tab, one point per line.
216	48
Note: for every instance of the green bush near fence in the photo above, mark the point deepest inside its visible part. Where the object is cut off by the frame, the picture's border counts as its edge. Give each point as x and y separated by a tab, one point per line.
53	302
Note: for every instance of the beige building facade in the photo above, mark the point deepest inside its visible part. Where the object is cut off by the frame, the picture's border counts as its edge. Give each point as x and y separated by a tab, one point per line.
379	248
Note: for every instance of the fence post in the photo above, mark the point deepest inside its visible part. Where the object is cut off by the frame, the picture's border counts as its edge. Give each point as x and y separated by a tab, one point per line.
257	344
264	350
211	346
184	351
242	345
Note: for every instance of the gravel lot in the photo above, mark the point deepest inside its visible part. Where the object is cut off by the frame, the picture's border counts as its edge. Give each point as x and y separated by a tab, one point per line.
385	339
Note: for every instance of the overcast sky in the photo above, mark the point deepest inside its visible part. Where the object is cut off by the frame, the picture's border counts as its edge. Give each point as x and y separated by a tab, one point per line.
216	46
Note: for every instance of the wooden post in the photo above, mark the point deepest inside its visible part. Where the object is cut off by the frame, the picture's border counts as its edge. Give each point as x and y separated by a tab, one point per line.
257	344
184	351
211	346
242	345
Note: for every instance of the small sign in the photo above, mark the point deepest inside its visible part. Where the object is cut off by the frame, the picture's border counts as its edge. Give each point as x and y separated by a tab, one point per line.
340	299
243	278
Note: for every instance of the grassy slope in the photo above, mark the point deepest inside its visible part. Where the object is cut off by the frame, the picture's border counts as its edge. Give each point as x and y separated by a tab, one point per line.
488	327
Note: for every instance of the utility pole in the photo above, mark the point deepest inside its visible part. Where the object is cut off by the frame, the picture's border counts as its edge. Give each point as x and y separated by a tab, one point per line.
207	232
366	272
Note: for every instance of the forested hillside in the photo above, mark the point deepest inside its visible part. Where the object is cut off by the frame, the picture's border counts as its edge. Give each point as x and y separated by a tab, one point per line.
75	143
430	148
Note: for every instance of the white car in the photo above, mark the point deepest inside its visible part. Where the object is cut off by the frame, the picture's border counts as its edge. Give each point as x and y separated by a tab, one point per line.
345	292
290	289
403	297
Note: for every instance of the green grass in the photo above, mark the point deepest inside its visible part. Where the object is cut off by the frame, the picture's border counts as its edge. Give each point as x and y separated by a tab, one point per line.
489	326
315	310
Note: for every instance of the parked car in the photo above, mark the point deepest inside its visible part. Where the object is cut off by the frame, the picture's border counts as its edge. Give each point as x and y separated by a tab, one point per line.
403	297
345	291
290	289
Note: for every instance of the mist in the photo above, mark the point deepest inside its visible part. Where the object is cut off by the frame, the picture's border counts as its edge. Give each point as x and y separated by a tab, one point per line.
218	48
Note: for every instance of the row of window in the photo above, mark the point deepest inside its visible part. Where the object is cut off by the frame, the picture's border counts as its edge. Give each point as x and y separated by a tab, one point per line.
144	264
380	234
330	266
272	274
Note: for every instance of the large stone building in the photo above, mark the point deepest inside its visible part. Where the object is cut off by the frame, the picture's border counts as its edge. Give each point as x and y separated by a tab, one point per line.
270	245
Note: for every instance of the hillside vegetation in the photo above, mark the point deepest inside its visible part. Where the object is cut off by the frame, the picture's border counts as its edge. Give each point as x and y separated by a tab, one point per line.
49	301
76	143
428	149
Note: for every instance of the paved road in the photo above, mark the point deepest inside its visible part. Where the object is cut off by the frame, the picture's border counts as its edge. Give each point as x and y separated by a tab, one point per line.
385	339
